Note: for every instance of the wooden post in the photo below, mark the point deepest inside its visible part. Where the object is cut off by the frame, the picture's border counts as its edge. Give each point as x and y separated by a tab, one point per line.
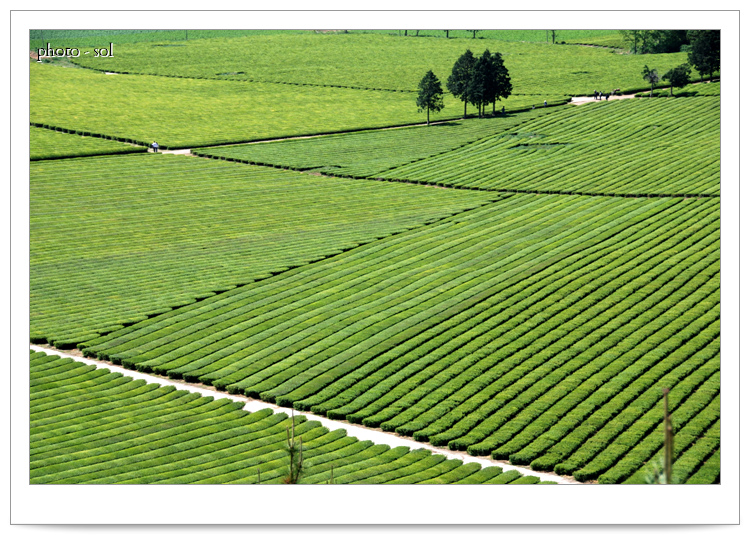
667	439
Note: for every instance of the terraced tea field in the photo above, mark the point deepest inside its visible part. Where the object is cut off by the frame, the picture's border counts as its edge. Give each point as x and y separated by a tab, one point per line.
520	287
384	62
97	427
590	149
172	229
488	331
626	147
182	113
706	89
365	154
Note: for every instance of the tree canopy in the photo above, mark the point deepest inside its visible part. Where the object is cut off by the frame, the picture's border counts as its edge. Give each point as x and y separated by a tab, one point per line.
678	77
430	95
458	81
480	81
705	48
654	41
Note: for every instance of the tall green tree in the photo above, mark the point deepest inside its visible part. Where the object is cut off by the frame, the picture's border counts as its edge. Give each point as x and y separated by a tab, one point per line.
458	81
705	51
651	76
430	95
480	84
678	77
501	85
637	39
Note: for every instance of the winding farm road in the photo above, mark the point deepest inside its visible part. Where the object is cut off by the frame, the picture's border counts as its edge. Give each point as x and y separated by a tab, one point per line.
358	431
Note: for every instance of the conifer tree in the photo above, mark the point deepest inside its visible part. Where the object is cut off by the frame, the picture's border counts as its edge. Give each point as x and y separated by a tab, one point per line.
430	96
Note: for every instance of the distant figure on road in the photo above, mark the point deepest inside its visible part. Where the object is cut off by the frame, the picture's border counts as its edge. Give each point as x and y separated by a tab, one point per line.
155	146
503	111
545	103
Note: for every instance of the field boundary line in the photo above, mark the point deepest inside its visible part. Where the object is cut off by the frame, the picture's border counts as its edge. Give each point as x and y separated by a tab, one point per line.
358	431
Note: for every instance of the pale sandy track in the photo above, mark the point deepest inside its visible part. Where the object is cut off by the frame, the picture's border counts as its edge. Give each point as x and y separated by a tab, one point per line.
358	431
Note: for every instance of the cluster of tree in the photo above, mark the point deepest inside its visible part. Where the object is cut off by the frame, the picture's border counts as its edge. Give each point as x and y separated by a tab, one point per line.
705	51
704	54
677	77
702	45
478	81
655	41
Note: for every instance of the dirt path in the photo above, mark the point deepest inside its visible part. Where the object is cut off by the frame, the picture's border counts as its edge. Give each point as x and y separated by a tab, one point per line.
577	101
361	432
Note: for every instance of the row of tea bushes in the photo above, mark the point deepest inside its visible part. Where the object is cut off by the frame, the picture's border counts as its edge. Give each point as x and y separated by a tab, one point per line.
509	330
91	426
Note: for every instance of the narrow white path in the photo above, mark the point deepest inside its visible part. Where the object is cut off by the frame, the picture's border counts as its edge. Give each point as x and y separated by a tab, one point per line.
576	101
360	432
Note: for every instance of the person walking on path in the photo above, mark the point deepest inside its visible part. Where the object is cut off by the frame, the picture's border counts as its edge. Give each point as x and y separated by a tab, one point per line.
545	103
155	146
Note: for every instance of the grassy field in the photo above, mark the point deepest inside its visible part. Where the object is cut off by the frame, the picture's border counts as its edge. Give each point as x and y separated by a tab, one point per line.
497	331
96	427
131	236
385	62
49	144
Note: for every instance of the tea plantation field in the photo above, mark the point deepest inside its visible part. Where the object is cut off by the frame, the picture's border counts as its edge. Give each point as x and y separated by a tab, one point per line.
50	144
115	239
521	287
97	427
384	62
583	149
366	154
626	147
497	331
193	113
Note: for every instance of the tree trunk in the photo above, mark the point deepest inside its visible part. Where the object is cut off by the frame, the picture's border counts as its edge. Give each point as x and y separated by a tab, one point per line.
428	116
493	107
